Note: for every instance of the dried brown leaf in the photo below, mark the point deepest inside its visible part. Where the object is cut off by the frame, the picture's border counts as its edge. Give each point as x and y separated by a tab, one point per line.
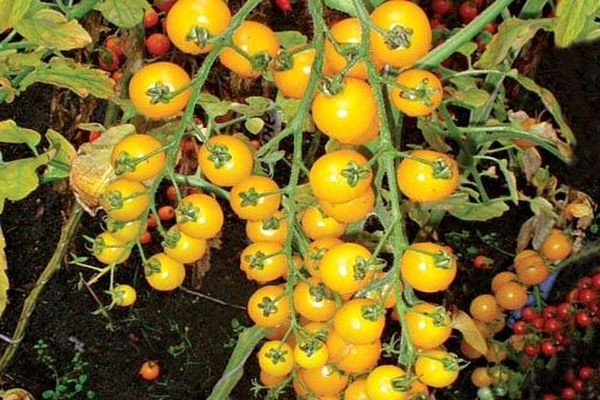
462	322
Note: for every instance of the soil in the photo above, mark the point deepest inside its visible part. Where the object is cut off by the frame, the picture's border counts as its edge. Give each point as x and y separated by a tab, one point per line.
191	336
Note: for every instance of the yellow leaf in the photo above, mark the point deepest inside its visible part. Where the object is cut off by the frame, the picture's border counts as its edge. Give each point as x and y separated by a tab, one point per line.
3	277
462	322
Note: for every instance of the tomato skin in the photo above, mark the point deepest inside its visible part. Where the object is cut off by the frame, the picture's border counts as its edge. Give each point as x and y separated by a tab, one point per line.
158	44
275	315
264	206
432	372
109	250
292	82
125	200
314	301
138	146
531	270
352	358
166	213
420	271
467	11
263	270
276	358
272	229
353	210
423	330
342	268
124	295
556	246
254	38
324	381
315	252
153	76
501	278
225	160
316	225
315	358
94	135
380	383
183	248
164	5
409	16
415	81
328	181
212	15
348	114
485	308
417	180
199	216
115	44
511	296
357	390
352	324
149	371
109	60
480	377
164	273
124	231
150	18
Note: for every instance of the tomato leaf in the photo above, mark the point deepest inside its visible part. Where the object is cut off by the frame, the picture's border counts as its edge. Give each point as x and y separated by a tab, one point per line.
247	341
67	74
11	133
289	109
255	106
213	105
483	211
472	97
462	322
574	20
254	125
11	12
512	34
124	14
51	29
65	153
344	6
4	284
291	39
18	61
18	178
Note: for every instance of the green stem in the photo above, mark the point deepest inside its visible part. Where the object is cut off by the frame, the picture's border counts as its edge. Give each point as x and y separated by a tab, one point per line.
51	268
198	182
82	9
17	45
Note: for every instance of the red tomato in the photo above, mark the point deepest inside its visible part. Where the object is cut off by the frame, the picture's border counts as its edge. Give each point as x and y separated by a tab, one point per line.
158	44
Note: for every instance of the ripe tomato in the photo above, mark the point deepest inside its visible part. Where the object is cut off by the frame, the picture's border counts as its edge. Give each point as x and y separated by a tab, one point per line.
183	248
346	268
191	22
313	300
324	381
225	160
437	368
357	390
347	33
276	358
385	383
315	252
292	78
256	197
284	5
115	44
428	325
145	238
150	84
258	41
484	308
269	380
164	273
556	246
125	200
138	157
94	135
340	176
352	358
420	95
108	60
315	224
149	370
158	44
531	270
469	351
427	175
271	229
164	5
442	7
428	267
268	306
480	377
124	231
353	210
511	296
408	33
467	11
359	321
263	261
166	213
150	18
310	353
501	278
124	295
199	216
345	115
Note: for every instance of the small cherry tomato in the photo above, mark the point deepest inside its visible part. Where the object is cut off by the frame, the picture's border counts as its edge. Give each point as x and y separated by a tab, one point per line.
124	295
158	44
150	18
149	370
276	358
108	60
138	157
421	92
163	273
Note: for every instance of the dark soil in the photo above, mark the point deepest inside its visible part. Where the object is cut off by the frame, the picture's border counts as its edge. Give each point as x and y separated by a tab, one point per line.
189	335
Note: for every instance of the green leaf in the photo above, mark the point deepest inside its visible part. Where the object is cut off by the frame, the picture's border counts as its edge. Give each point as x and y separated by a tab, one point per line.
289	109
11	12
344	6
18	61
291	39
213	105
254	125
512	34
65	153
4	285
255	107
467	49
68	74
11	133
479	211
124	14
18	178
472	98
572	19
273	157
247	341
434	139
51	29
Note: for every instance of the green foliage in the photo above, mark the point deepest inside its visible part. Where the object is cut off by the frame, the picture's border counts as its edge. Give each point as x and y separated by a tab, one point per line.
124	14
576	22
